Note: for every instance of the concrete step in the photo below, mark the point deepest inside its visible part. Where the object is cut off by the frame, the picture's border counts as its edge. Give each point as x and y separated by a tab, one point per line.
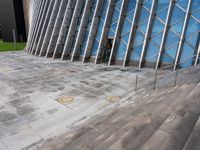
193	141
175	131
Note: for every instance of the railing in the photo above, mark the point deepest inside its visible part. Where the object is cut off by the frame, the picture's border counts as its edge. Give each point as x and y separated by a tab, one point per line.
160	76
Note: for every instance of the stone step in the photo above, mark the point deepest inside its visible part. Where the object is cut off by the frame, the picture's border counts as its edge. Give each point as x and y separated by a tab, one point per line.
193	141
175	131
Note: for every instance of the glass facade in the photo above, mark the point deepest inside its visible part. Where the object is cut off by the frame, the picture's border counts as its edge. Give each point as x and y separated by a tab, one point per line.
166	32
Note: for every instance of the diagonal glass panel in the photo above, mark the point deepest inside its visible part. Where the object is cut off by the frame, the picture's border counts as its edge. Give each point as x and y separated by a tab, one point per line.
125	32
100	28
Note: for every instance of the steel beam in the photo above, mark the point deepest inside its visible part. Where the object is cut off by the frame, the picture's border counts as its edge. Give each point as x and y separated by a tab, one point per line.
165	32
93	30
56	29
118	31
82	29
33	23
50	28
182	39
107	22
44	27
133	31
39	27
148	32
65	27
72	29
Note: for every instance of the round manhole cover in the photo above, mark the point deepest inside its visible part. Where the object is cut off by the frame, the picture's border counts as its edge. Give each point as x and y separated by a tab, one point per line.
66	100
113	98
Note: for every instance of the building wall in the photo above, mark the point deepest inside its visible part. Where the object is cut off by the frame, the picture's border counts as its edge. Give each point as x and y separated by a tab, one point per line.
143	33
12	17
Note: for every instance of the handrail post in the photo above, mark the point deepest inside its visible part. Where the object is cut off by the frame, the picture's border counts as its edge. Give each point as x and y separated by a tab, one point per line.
136	82
176	75
155	79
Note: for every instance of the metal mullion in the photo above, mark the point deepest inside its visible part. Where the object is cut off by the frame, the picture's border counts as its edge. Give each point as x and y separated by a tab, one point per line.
124	34
180	47
181	8
197	56
172	45
160	20
37	25
156	34
177	22
44	27
93	30
82	29
143	22
188	43
40	27
107	22
148	32
165	32
34	22
118	30
123	41
141	31
160	11
73	25
175	32
56	29
195	19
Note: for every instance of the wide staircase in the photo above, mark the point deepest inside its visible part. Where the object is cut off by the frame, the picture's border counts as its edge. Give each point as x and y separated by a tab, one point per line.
163	119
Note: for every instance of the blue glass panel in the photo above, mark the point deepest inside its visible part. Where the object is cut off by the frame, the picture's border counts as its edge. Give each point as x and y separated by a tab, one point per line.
186	55
121	51
137	53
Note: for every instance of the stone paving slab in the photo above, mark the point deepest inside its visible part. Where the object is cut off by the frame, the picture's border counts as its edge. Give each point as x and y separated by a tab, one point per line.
30	88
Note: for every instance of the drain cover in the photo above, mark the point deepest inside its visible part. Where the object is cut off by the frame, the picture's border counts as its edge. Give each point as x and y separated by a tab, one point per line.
66	100
113	98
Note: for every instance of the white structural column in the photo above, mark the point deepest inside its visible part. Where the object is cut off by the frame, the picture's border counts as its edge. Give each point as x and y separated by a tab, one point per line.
36	38
165	32
197	56
93	30
64	28
148	32
133	31
37	24
82	29
118	31
50	28
72	29
44	27
56	29
182	39
37	7
102	43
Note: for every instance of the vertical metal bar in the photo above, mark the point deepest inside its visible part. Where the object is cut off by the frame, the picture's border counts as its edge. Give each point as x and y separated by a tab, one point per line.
155	79
133	31
105	29
136	83
40	27
182	39
176	75
50	28
44	28
148	32
33	23
56	28
37	24
14	39
82	29
65	27
165	32
72	28
118	30
197	56
93	30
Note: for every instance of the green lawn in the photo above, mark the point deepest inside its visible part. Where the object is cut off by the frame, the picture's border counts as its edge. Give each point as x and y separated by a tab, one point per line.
9	46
